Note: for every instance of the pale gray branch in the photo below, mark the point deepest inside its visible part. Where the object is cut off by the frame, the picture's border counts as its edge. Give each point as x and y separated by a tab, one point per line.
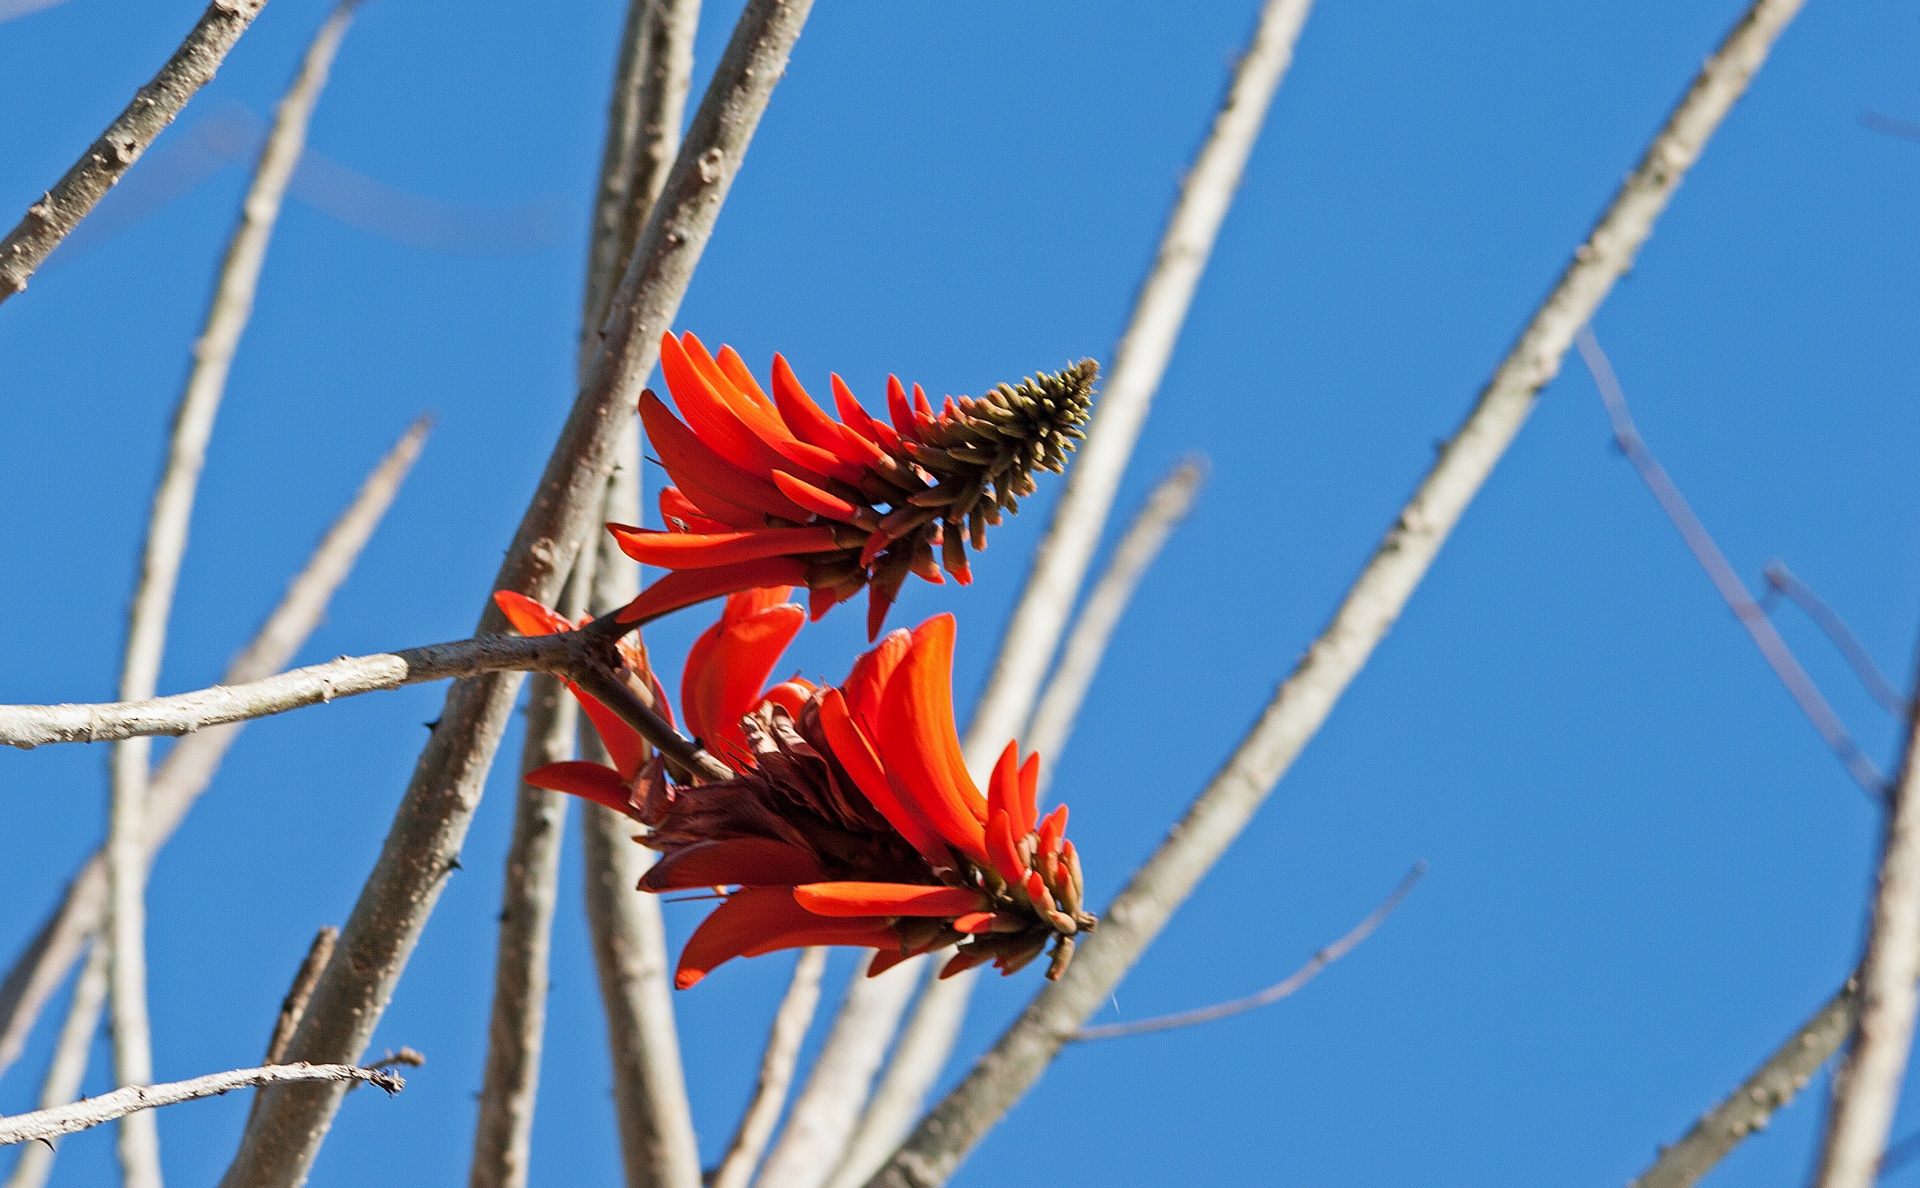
824	1114
1284	988
66	1119
1086	503
789	1031
1867	1087
154	106
1701	544
1748	1108
431	823
1835	628
69	1065
190	766
1376	599
1093	629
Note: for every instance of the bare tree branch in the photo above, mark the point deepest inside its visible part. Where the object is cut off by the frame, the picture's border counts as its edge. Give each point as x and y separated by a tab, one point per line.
1304	700
66	1119
1282	989
190	766
304	980
789	1031
1748	1108
820	1122
1060	563
154	106
1701	544
431	823
1093	629
1867	1087
516	1032
69	1065
1835	628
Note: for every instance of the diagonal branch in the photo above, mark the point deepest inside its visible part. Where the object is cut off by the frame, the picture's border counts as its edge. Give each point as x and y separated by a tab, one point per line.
278	1147
790	1024
154	106
190	766
1284	988
1867	1087
1835	628
1086	503
68	1067
1701	544
46	1124
1304	700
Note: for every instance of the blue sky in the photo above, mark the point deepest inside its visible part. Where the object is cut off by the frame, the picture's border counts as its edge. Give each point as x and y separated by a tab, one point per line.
1645	869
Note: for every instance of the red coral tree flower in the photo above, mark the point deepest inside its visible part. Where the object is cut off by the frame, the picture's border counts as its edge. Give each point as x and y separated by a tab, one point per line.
770	490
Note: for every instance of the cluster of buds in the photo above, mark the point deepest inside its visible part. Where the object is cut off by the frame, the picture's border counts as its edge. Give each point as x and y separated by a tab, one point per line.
770	490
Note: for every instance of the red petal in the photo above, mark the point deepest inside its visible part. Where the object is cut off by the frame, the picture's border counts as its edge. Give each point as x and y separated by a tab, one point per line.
676	507
899	411
857	418
887	899
1029	795
791	696
1003	786
919	746
688	586
697	468
697	550
886	959
590	781
1005	855
736	370
1052	830
878	605
973	922
711	415
820	503
726	684
624	745
962	962
870	675
855	754
762	919
805	420
923	412
529	617
734	861
748	602
822	600
763	422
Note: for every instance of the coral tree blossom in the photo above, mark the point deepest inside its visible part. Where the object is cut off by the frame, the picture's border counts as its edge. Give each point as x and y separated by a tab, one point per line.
770	490
851	820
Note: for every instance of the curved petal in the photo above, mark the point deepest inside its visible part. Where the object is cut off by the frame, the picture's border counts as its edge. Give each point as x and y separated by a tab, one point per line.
686	587
761	419
624	745
589	781
1005	855
808	422
1029	795
676	506
820	503
887	899
763	919
919	747
791	696
702	550
747	602
529	617
899	411
726	686
855	754
1003	788
736	370
734	861
859	420
870	675
697	466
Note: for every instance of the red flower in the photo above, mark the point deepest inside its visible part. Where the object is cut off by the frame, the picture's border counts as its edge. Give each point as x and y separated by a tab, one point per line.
773	491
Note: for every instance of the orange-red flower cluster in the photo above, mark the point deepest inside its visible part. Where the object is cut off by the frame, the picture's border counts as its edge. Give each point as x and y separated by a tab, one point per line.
770	490
852	819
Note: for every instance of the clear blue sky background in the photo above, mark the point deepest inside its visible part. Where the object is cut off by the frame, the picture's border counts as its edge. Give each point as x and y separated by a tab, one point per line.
1646	871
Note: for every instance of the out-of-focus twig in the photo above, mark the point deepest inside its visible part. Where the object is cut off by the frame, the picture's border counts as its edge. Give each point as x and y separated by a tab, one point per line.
69	1065
1307	696
430	825
1112	591
46	1124
1272	994
189	767
777	1062
1835	628
1890	125
154	106
1867	1087
1701	544
1086	503
1748	1108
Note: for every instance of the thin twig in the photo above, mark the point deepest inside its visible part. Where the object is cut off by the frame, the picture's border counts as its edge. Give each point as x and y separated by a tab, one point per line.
790	1024
1060	563
1867	1087
516	1031
1748	1108
46	1124
190	766
304	980
154	106
278	1148
820	1123
1376	599
1282	989
1890	125
1701	544
1112	591
69	1065
1835	628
